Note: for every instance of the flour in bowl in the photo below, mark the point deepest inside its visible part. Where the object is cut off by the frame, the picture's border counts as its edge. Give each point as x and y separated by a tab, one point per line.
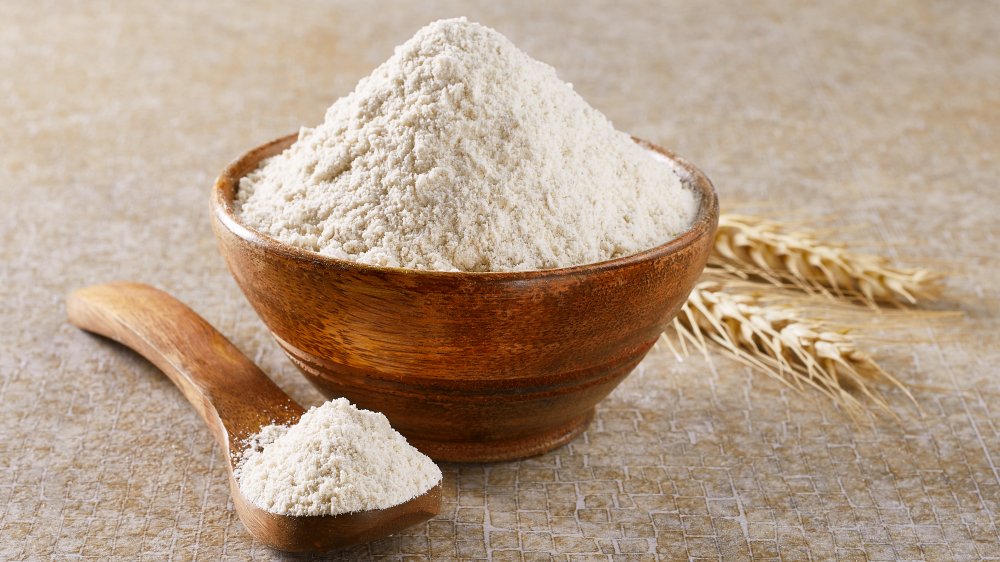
461	152
336	459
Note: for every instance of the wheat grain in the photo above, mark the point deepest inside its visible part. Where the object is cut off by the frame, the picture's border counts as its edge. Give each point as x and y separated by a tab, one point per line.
778	341
747	246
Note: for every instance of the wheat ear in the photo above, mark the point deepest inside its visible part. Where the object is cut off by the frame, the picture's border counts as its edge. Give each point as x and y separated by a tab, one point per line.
780	343
746	245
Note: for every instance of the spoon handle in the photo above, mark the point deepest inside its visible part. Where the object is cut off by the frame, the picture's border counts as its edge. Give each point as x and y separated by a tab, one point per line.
233	396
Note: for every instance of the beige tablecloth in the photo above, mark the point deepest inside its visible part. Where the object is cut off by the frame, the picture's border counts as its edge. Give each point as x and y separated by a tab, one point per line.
881	117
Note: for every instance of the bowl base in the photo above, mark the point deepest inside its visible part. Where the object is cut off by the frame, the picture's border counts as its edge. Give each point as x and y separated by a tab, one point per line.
505	449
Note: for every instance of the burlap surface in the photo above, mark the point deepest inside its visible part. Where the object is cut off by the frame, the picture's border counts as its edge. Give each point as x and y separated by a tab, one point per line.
882	117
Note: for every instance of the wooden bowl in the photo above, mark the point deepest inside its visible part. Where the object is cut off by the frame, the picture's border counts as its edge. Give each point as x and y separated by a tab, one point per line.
468	366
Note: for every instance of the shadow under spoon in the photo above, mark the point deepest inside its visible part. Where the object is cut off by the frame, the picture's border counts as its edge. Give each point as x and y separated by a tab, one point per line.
236	399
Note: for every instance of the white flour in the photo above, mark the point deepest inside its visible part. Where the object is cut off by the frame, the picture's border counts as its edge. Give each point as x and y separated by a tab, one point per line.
336	459
461	152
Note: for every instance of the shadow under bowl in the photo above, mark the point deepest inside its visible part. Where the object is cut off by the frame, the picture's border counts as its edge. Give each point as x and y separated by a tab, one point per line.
470	367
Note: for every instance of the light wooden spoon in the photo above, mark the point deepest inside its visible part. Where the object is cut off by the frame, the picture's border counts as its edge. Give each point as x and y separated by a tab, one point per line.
236	399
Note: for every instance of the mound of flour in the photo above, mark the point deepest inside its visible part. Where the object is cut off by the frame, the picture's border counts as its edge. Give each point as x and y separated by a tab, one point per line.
336	459
461	152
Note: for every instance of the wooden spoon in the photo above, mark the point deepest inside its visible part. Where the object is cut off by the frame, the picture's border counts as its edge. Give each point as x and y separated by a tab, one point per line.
236	399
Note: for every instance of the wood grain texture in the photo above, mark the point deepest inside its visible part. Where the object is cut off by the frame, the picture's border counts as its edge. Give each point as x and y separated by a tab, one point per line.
468	366
236	399
231	394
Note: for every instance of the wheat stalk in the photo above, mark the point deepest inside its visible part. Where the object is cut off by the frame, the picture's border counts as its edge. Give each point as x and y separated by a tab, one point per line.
780	342
748	246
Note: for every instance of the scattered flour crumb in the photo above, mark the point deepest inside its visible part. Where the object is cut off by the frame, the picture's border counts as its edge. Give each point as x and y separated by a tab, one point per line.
461	152
336	459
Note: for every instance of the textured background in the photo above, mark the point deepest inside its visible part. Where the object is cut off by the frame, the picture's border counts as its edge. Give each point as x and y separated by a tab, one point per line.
883	117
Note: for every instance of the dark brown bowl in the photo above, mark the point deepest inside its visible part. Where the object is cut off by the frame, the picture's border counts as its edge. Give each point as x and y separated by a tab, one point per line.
468	366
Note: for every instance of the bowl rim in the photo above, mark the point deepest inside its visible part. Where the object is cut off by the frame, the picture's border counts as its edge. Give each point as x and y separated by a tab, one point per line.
226	185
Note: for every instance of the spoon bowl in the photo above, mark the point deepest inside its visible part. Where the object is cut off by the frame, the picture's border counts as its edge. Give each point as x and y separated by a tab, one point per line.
320	533
236	399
